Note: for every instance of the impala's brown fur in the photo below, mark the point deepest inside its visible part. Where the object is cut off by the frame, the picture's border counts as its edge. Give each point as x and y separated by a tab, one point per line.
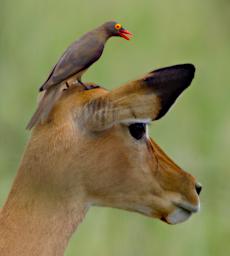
84	155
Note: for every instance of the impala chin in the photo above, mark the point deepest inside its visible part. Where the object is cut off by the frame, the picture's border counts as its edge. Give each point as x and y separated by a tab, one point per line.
182	213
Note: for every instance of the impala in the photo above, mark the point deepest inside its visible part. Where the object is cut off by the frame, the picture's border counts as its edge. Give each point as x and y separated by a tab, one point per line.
94	150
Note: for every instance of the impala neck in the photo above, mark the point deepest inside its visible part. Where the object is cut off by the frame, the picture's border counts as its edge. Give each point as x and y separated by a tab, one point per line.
36	219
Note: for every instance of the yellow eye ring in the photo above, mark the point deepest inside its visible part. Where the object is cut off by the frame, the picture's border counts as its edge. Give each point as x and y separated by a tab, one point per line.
117	26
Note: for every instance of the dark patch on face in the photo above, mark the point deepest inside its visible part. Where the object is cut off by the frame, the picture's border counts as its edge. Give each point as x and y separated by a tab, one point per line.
163	219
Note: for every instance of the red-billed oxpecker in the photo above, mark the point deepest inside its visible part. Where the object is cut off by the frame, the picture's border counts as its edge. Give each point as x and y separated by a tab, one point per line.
78	57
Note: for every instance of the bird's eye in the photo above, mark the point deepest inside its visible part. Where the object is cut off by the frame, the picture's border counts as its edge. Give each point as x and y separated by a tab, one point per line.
137	130
117	26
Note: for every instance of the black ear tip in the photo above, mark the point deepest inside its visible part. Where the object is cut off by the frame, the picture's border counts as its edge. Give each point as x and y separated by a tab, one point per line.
187	70
189	67
169	83
183	72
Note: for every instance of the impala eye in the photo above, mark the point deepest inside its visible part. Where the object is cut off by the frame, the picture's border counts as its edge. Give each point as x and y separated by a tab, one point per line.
117	26
137	130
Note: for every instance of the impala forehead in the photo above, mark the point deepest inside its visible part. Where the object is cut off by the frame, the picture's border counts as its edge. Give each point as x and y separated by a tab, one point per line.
75	97
79	93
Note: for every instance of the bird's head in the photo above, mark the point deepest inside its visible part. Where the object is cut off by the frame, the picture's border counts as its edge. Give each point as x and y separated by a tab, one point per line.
114	28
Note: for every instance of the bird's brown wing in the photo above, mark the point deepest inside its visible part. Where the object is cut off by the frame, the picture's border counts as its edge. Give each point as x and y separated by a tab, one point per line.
78	56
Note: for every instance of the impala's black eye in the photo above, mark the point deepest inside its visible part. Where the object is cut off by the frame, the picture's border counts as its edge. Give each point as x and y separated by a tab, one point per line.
137	130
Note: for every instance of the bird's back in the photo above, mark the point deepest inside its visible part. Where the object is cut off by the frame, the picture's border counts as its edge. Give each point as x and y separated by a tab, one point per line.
77	57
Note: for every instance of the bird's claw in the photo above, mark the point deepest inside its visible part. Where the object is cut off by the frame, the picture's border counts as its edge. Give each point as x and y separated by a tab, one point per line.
92	86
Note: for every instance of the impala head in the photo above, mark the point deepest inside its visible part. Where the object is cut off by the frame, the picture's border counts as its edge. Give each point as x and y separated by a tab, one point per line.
98	143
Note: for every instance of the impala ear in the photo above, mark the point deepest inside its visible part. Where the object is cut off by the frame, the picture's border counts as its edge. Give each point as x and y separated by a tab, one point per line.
142	100
168	83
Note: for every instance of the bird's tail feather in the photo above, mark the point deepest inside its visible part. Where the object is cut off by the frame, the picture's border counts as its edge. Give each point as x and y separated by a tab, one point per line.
45	105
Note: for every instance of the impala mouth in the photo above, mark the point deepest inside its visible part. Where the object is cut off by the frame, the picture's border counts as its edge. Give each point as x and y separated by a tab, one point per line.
188	207
182	212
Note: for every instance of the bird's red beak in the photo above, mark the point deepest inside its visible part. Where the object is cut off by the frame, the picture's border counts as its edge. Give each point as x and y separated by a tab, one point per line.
125	34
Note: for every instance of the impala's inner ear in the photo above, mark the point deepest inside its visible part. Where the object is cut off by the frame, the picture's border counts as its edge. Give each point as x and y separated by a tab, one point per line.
142	100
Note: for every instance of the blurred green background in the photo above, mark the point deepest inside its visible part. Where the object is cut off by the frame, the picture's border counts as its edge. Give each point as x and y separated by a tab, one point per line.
195	133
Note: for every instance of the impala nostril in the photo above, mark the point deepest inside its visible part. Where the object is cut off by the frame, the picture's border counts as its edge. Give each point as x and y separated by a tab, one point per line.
198	188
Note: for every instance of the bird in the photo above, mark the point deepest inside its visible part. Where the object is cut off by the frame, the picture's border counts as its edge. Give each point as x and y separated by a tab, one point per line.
74	62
